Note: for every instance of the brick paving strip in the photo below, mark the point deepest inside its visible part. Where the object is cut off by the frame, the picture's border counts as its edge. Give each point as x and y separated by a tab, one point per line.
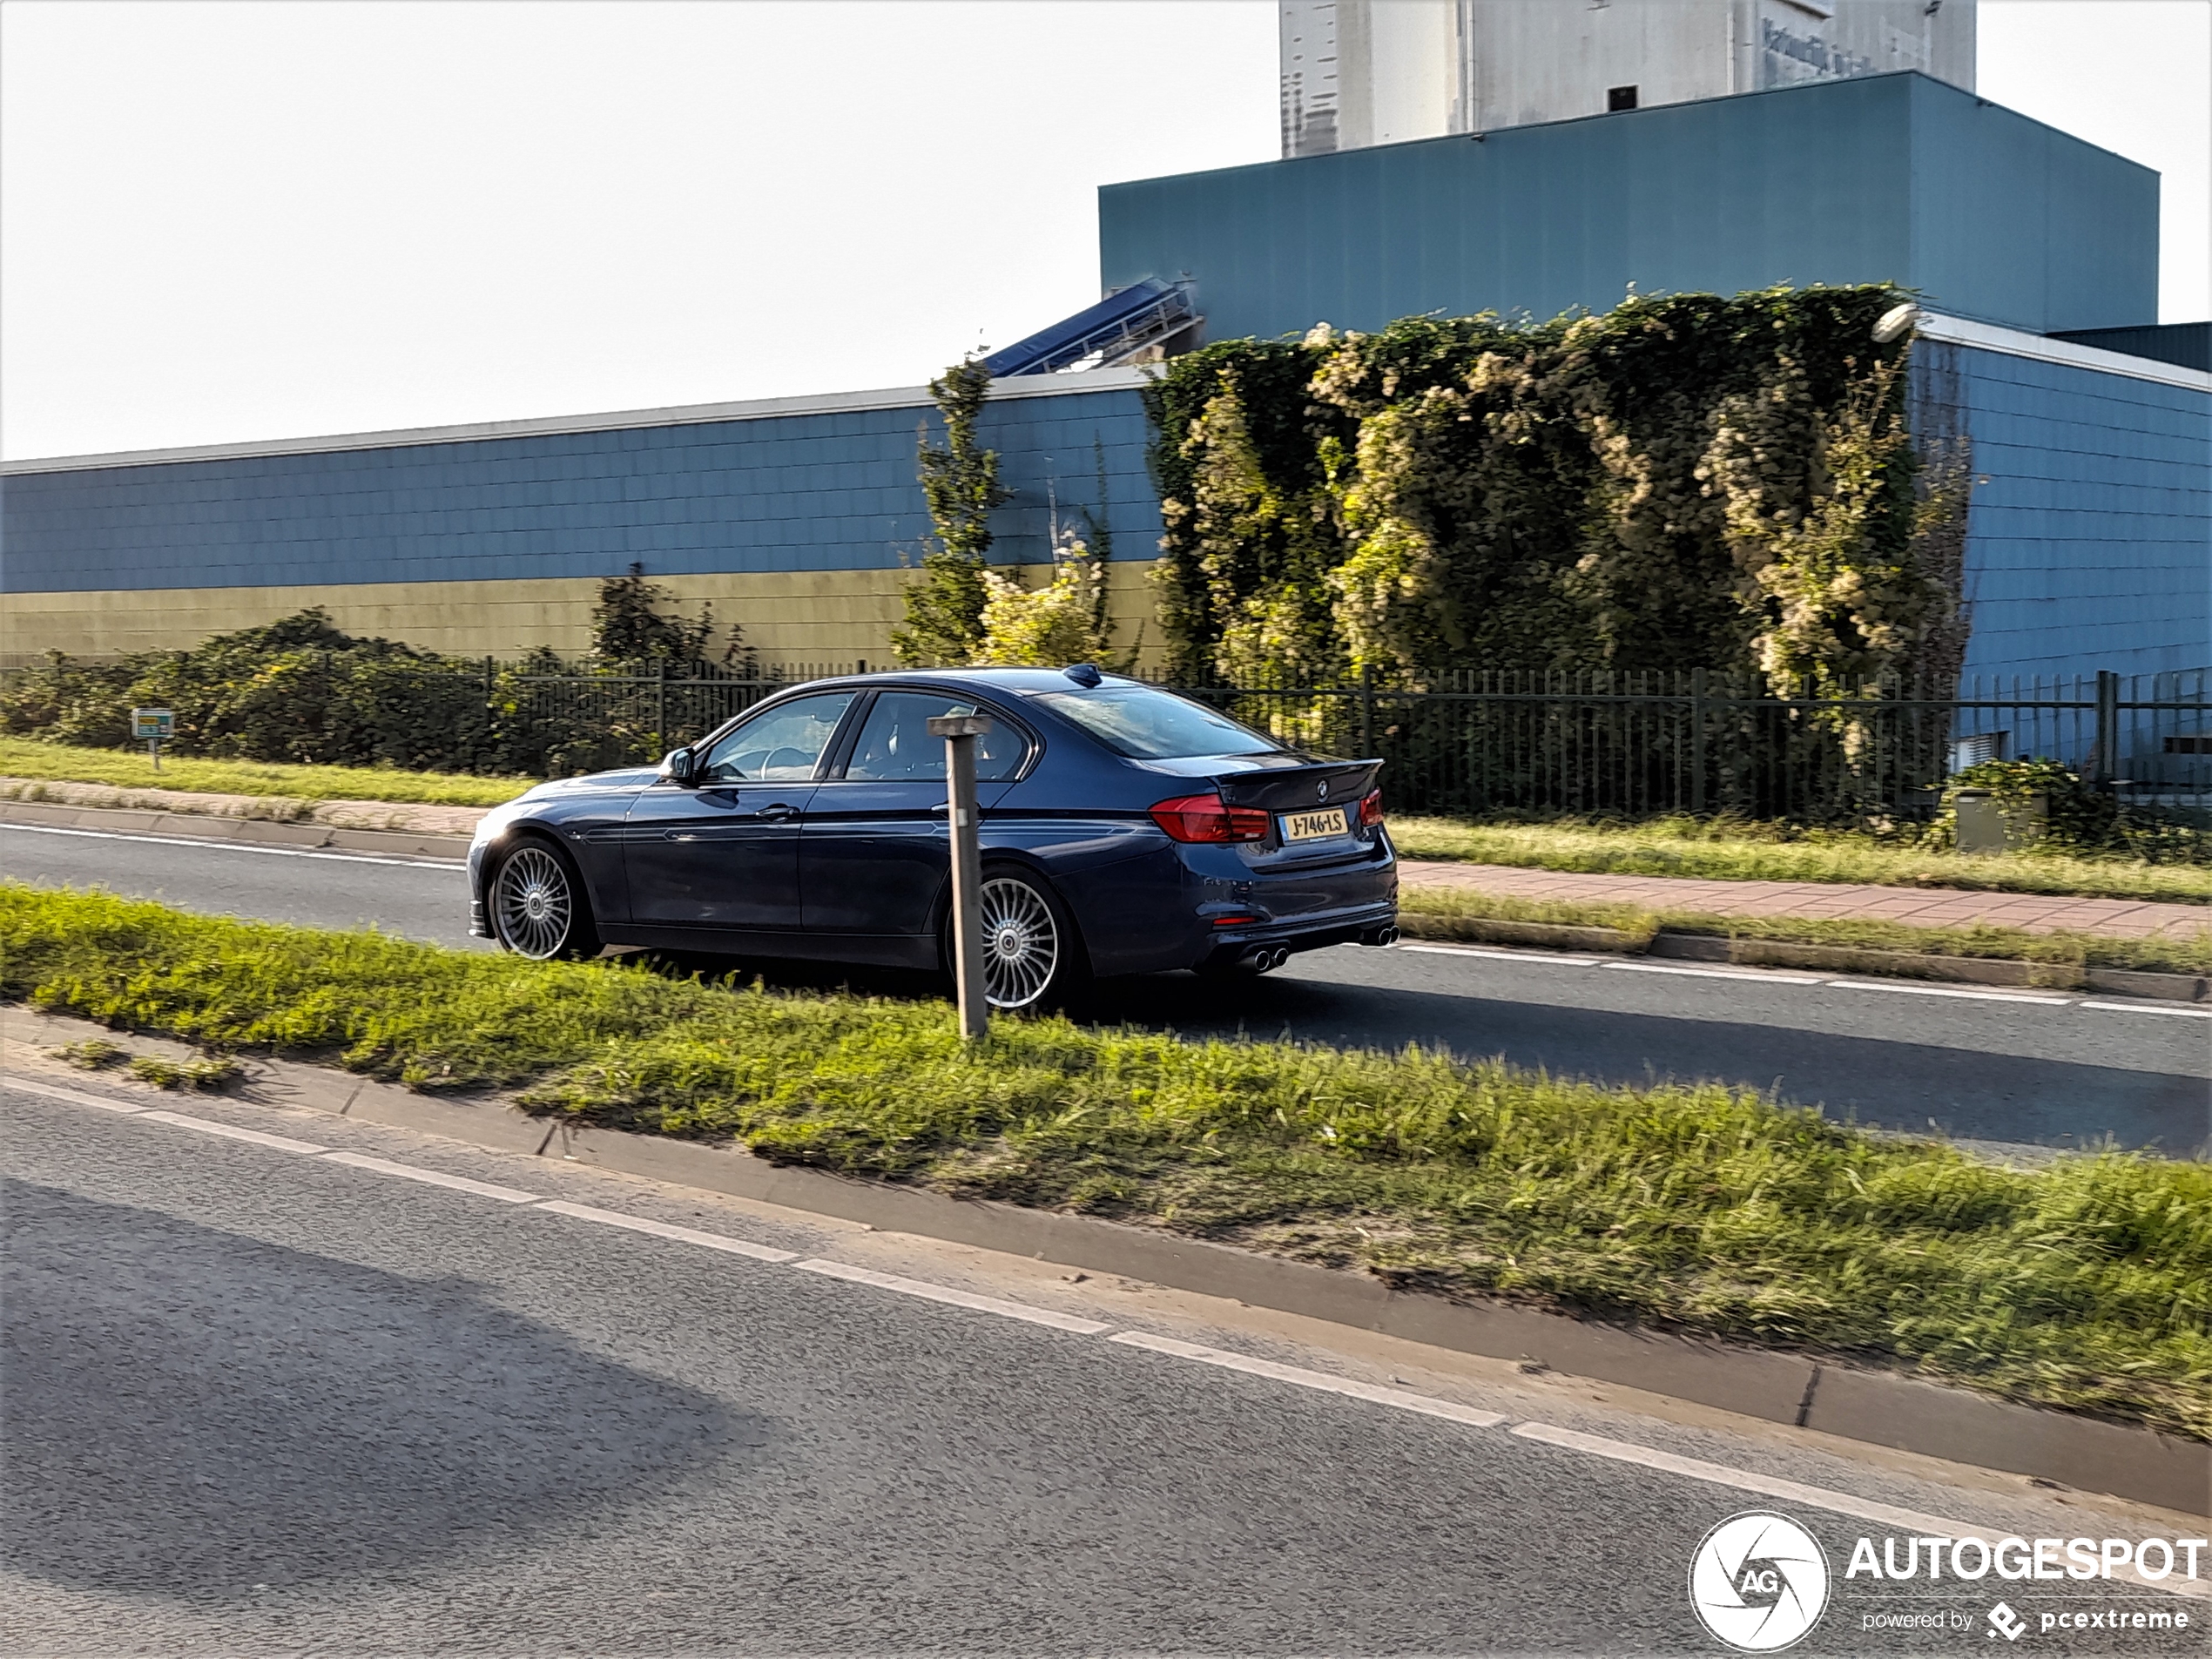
1921	907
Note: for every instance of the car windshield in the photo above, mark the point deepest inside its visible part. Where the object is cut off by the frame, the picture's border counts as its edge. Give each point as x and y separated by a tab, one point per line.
1146	725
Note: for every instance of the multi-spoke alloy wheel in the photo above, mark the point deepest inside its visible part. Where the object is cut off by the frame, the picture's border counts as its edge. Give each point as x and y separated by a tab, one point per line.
534	903
1022	943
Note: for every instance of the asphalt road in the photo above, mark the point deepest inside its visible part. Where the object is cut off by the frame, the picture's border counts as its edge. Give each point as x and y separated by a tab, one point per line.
260	1401
2057	1072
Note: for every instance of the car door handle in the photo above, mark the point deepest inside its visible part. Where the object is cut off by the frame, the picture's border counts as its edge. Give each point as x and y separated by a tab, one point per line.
778	813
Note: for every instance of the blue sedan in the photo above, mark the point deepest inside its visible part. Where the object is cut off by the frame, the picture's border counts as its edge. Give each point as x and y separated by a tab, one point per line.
1124	830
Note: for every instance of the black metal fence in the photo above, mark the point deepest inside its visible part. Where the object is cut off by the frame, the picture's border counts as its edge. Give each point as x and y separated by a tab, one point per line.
1628	745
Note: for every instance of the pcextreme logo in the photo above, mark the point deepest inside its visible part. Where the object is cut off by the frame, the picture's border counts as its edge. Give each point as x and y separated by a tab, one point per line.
1758	1582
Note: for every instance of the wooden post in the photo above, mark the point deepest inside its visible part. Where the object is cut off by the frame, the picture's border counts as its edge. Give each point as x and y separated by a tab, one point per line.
959	732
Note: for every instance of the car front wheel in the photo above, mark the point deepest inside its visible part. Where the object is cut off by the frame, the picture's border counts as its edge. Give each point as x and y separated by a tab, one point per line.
538	908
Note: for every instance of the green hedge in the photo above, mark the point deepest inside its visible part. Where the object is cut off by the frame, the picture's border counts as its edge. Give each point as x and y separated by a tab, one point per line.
1689	480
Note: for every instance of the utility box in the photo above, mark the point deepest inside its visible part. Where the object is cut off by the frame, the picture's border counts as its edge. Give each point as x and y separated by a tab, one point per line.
1988	824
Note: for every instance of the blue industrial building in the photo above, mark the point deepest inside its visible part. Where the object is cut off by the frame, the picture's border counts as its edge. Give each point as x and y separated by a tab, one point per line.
797	515
2088	537
1899	179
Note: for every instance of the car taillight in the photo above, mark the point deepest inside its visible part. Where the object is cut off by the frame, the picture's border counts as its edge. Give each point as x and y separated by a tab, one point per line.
1208	817
1370	809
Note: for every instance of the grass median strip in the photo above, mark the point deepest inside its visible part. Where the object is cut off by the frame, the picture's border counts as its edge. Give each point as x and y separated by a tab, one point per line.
1725	850
128	769
1460	913
2085	1284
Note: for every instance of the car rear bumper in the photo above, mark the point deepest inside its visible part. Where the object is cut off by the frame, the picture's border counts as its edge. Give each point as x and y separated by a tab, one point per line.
1370	924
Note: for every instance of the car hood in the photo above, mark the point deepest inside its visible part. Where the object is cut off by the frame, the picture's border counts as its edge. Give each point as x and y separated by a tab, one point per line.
592	784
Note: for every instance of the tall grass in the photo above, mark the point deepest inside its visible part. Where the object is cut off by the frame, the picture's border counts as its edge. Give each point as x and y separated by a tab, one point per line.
1730	850
2087	1283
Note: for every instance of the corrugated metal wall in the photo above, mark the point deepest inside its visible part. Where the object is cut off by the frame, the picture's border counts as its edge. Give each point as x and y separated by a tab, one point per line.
2089	543
1891	179
832	491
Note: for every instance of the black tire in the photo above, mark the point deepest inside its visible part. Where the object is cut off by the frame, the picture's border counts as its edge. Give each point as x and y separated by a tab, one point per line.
1033	957
537	903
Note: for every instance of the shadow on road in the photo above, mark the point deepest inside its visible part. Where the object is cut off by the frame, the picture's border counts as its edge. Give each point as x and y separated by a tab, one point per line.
194	1414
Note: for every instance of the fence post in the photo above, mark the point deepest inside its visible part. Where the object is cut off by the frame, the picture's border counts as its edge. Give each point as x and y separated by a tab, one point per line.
1696	740
660	715
2108	746
491	680
1366	711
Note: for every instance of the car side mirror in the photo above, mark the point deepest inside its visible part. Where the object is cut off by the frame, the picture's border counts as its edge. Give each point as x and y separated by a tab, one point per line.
676	767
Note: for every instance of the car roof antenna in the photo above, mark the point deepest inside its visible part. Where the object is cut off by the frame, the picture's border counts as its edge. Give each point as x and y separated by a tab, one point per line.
1083	673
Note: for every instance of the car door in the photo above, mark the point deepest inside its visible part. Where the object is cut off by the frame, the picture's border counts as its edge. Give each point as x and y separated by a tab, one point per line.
722	852
875	852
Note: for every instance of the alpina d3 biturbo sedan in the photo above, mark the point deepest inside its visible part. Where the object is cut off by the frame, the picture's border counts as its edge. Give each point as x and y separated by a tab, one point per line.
1124	829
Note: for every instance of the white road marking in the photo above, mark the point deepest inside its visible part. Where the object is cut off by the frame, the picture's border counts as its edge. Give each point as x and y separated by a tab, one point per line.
1941	990
1542	958
2150	1007
1754	976
212	844
206	1126
1595	1446
958	1298
1767	1486
1427	1405
125	1106
668	1230
434	1177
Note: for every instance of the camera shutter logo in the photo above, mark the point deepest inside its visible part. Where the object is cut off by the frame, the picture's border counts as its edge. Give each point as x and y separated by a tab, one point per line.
1758	1582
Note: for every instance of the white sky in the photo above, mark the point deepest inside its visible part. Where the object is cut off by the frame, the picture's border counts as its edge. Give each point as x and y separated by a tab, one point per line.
246	220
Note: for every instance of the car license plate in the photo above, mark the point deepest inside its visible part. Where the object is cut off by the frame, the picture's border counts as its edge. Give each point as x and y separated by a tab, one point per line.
1314	826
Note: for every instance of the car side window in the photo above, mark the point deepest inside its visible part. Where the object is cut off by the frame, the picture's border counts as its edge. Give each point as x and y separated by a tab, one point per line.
895	746
783	744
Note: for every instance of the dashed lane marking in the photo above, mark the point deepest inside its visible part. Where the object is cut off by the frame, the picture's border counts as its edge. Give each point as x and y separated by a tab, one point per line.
1541	958
429	1177
232	1132
1768	1486
668	1230
1754	976
1945	990
2150	1007
1426	1404
213	845
126	1107
957	1299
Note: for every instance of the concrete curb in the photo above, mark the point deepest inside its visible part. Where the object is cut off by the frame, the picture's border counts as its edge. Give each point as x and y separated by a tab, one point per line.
1870	1406
1832	959
256	832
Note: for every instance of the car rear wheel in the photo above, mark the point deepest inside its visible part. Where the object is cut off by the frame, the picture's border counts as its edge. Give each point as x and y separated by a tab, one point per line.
538	908
1030	953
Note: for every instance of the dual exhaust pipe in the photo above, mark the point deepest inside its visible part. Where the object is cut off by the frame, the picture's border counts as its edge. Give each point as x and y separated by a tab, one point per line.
1267	958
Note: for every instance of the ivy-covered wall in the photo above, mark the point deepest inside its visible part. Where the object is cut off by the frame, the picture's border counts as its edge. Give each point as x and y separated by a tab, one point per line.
1686	482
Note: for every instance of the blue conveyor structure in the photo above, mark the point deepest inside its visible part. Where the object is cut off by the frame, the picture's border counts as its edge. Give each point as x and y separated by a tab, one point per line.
1115	329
